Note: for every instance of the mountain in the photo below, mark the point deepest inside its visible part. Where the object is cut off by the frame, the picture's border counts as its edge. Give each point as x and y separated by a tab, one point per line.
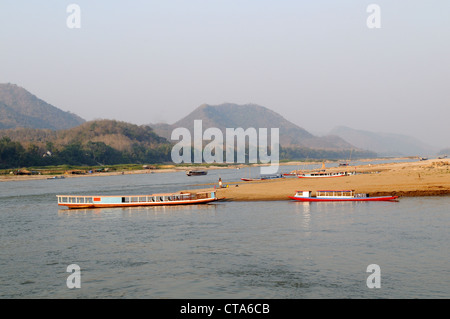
20	108
384	144
251	115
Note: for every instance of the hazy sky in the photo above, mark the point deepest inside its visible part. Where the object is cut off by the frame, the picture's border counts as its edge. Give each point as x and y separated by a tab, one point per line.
315	62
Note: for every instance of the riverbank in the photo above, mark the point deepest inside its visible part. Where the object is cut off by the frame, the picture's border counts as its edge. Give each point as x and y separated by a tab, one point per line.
45	173
418	178
424	178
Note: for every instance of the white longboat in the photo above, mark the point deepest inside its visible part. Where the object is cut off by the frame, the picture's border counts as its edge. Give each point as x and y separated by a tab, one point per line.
167	199
324	174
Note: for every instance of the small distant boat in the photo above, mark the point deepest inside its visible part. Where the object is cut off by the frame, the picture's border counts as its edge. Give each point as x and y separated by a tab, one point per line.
196	173
56	177
263	177
423	158
170	199
323	174
442	156
290	174
337	196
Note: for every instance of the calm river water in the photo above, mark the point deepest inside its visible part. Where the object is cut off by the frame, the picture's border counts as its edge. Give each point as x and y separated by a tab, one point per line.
279	249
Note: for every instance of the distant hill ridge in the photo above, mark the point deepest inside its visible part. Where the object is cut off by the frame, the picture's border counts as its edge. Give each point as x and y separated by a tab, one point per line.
20	108
230	115
384	144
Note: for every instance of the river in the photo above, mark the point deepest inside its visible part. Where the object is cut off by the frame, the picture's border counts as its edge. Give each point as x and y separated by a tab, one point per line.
279	249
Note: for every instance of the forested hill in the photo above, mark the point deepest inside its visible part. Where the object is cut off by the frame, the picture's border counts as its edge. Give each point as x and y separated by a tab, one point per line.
103	142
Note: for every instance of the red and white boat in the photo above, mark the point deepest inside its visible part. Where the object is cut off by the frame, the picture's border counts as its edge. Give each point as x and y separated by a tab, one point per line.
170	199
337	196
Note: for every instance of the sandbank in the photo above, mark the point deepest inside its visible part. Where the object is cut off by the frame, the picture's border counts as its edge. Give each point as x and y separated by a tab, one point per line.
424	178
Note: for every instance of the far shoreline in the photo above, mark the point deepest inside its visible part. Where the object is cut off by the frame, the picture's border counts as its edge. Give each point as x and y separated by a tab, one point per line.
170	168
403	179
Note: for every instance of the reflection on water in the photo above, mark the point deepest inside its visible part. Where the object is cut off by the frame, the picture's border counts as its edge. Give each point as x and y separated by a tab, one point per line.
122	211
304	208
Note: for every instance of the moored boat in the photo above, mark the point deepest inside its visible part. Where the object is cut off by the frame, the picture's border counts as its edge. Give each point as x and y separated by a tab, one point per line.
293	173
323	174
182	198
263	177
196	173
337	196
56	177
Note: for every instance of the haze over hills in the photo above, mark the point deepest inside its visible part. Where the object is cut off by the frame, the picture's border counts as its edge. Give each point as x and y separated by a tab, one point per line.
251	115
33	132
20	108
384	144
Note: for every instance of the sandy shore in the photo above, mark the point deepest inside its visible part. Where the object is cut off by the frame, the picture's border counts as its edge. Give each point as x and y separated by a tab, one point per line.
424	178
420	178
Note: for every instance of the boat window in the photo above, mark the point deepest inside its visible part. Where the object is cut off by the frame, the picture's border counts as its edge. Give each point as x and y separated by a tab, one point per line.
89	200
142	199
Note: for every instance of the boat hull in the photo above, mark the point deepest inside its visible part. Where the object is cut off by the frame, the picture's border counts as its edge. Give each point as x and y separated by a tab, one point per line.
196	173
166	199
166	203
321	176
262	178
364	199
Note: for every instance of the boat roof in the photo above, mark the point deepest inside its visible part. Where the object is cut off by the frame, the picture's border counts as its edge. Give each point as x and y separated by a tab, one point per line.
338	190
141	195
326	190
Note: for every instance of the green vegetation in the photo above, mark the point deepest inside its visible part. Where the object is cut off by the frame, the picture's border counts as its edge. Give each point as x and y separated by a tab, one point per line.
106	142
93	143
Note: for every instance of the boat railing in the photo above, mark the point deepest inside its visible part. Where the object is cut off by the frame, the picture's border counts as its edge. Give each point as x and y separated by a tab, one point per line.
80	199
337	193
